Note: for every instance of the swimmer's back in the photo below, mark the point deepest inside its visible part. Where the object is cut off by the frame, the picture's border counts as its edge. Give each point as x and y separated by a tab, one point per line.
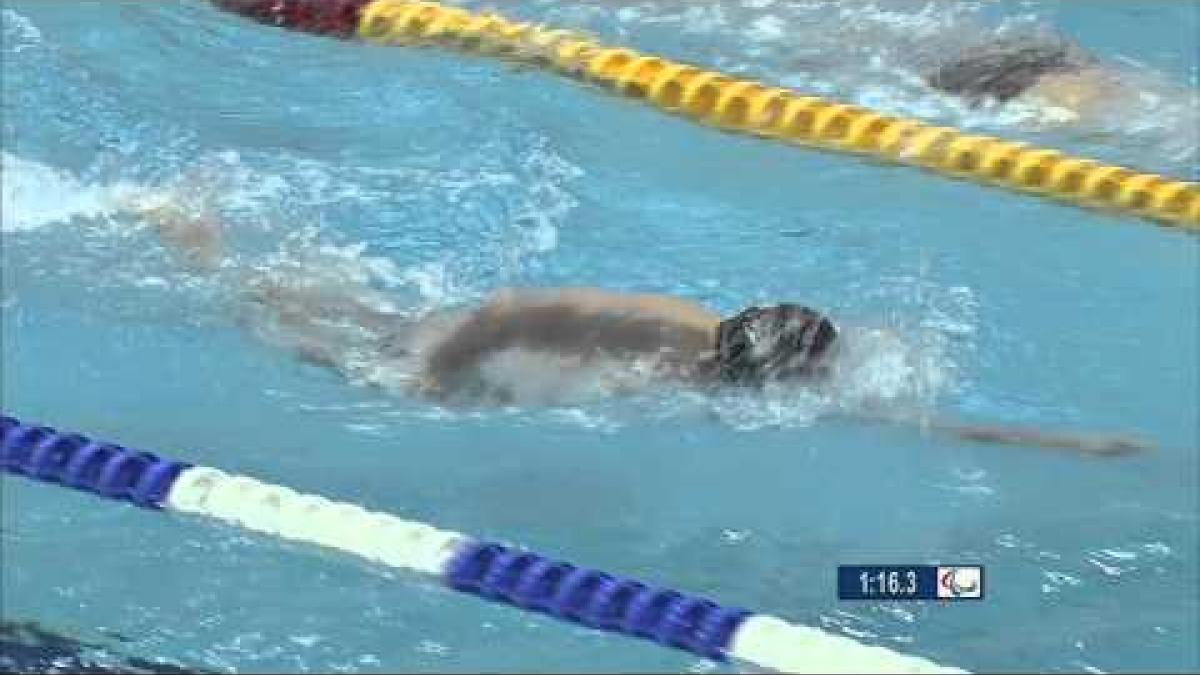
596	301
580	323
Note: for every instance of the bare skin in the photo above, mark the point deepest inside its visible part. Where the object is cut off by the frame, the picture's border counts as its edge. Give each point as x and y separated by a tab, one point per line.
1060	79
675	337
1078	95
1094	444
578	325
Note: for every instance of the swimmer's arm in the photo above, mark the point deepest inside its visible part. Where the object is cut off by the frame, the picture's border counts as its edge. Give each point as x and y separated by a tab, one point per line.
994	434
1087	444
460	352
1093	444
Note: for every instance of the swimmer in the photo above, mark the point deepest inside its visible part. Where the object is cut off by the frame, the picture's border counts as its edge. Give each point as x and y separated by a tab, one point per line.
627	339
1048	72
490	353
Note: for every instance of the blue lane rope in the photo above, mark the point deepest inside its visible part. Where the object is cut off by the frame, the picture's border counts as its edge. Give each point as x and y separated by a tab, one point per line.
594	598
104	469
490	570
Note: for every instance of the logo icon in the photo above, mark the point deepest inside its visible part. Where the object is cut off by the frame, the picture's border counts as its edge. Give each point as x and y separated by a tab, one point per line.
960	583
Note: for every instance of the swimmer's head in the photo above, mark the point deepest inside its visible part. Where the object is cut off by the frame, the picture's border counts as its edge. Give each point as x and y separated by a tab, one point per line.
1004	69
773	343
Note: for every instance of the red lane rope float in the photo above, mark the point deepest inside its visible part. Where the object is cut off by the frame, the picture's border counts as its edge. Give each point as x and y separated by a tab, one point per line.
337	18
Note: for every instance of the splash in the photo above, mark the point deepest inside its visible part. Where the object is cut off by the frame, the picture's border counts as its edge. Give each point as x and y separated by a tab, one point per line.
36	195
19	32
877	375
897	365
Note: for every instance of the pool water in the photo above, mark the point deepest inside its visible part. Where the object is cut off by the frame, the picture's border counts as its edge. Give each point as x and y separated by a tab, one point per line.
437	178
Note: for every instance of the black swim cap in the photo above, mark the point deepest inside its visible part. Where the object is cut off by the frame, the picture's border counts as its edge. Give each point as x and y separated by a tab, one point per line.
779	342
1004	69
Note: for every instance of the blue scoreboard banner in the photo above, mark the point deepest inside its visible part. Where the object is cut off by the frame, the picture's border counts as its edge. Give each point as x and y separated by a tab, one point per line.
910	582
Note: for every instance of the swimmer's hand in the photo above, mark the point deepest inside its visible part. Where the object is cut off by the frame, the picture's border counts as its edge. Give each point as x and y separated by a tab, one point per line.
1088	444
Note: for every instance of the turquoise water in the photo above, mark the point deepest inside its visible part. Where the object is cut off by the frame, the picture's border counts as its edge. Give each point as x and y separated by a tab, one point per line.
438	178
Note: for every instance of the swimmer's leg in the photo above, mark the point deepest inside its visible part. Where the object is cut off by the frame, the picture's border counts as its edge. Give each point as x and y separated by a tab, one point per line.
295	331
346	330
340	304
194	233
197	238
191	231
336	326
335	323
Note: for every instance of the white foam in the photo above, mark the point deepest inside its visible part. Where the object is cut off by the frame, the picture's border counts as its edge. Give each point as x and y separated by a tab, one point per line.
767	29
19	32
36	195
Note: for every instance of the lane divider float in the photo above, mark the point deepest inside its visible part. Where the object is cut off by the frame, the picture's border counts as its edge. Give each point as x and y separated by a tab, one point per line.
488	569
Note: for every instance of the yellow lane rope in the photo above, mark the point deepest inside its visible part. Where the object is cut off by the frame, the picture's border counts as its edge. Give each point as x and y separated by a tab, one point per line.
745	106
755	108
